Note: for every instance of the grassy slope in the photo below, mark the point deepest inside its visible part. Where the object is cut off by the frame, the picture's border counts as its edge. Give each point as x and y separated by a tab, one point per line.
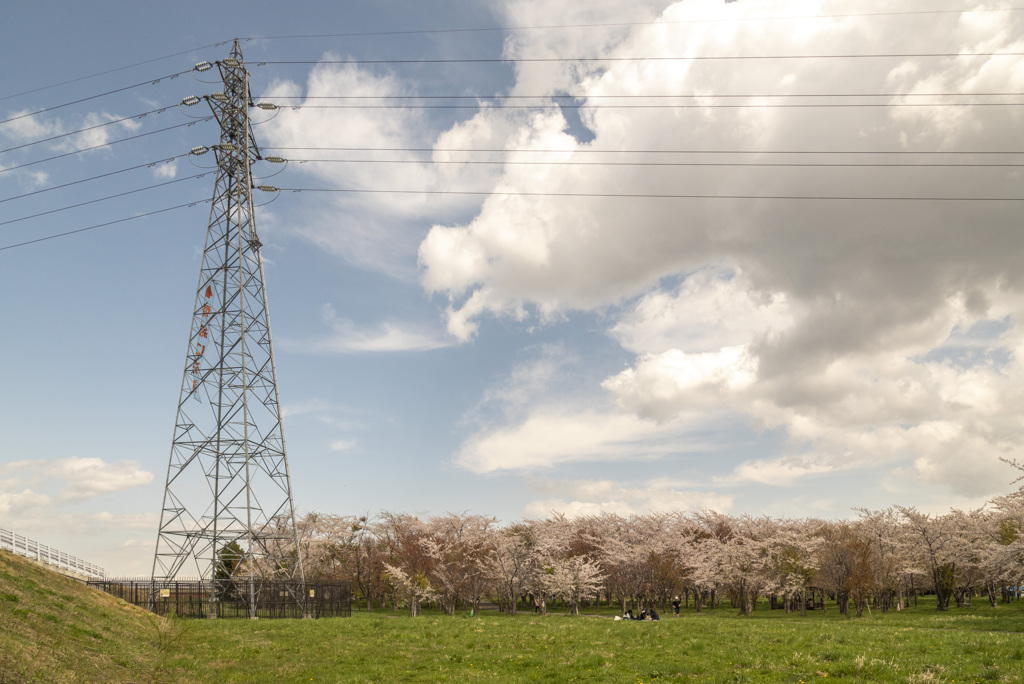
55	629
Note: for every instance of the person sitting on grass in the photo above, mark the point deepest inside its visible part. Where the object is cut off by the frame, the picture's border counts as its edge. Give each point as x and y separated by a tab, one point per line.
628	615
654	614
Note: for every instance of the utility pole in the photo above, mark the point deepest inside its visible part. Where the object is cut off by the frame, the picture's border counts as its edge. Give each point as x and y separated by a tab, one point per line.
228	515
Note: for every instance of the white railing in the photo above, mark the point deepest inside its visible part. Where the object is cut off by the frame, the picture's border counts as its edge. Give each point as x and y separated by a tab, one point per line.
45	554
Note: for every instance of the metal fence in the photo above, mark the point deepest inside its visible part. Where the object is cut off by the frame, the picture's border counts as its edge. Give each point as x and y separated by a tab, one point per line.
45	554
237	598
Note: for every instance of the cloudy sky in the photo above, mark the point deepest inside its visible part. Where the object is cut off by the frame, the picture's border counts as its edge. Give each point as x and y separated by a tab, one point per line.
755	256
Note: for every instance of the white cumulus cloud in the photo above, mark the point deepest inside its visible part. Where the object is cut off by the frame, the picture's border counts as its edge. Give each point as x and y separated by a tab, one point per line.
593	497
389	336
77	478
842	324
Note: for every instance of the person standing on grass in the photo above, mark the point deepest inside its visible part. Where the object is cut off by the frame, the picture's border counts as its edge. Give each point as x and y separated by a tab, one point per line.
675	607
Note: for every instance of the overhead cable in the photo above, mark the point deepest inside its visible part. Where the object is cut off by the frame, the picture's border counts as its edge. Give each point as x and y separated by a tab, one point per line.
642	151
101	225
632	96
92	178
659	21
106	144
659	58
102	199
93	97
648	195
507	162
110	71
88	128
803	105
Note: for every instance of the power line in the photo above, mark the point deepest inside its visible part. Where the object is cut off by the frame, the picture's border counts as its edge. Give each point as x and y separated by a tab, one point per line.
546	163
690	58
610	195
587	96
505	162
92	178
102	199
101	225
680	151
106	144
563	106
88	128
805	105
362	34
593	195
358	34
93	97
110	71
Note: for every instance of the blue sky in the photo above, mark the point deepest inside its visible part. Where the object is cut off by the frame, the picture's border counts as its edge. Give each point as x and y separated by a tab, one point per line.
541	344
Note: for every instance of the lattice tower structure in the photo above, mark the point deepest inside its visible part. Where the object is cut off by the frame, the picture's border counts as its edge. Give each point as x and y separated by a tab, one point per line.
228	511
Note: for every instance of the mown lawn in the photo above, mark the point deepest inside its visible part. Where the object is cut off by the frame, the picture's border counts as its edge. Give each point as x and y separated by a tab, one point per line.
977	644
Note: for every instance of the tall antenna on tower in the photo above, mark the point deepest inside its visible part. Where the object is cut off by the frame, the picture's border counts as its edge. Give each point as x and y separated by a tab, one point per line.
228	515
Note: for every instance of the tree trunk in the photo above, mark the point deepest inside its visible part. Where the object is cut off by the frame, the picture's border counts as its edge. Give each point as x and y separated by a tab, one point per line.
843	599
943	577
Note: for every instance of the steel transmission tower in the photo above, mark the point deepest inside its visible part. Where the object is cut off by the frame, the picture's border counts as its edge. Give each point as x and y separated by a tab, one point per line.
228	512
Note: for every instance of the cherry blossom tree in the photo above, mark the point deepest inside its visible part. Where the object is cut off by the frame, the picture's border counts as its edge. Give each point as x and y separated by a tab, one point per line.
844	566
1009	517
935	548
413	588
368	572
697	547
401	535
886	534
572	578
457	544
883	558
792	560
565	569
511	564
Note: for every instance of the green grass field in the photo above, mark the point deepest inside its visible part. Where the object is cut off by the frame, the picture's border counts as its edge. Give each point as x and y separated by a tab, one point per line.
58	631
972	645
